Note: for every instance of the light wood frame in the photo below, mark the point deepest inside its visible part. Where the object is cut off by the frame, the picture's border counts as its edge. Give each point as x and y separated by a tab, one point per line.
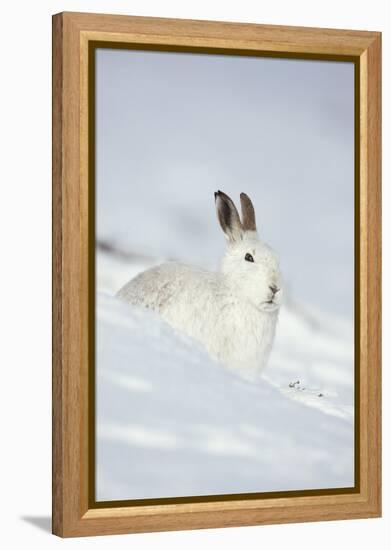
73	514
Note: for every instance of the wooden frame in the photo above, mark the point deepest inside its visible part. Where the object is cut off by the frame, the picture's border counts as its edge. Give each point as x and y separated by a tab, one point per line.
73	514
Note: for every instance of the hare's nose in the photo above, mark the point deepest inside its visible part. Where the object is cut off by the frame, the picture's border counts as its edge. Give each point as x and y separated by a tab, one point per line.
274	289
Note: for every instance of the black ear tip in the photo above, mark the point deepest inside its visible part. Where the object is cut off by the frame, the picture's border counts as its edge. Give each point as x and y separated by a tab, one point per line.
217	194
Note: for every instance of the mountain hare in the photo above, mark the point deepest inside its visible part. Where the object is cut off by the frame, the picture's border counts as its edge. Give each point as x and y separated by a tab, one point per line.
233	312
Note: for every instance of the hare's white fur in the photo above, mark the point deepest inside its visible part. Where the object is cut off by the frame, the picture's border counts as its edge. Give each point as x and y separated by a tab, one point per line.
233	312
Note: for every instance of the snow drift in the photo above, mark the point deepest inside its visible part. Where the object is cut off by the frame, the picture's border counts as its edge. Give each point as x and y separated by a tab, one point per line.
172	422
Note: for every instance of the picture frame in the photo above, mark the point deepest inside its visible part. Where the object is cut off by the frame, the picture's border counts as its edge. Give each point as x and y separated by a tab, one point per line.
75	37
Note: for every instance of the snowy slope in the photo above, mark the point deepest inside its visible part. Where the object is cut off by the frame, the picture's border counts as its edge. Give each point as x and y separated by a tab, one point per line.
311	347
171	422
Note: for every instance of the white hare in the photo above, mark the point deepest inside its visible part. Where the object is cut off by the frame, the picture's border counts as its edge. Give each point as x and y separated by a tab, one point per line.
233	312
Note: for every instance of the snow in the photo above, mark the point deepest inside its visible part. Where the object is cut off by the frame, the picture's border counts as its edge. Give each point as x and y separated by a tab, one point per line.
172	422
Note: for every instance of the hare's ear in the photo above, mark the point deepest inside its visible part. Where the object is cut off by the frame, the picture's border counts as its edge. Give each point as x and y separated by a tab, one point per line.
248	213
228	217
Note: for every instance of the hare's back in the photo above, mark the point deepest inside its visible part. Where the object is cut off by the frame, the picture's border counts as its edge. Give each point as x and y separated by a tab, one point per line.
158	287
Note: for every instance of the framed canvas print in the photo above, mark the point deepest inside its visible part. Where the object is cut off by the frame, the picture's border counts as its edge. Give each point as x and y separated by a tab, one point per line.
216	274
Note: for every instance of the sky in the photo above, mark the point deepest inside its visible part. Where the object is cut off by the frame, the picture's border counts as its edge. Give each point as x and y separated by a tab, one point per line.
172	128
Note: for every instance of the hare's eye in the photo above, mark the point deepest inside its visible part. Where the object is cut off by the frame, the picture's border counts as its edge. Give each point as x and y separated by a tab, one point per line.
249	258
